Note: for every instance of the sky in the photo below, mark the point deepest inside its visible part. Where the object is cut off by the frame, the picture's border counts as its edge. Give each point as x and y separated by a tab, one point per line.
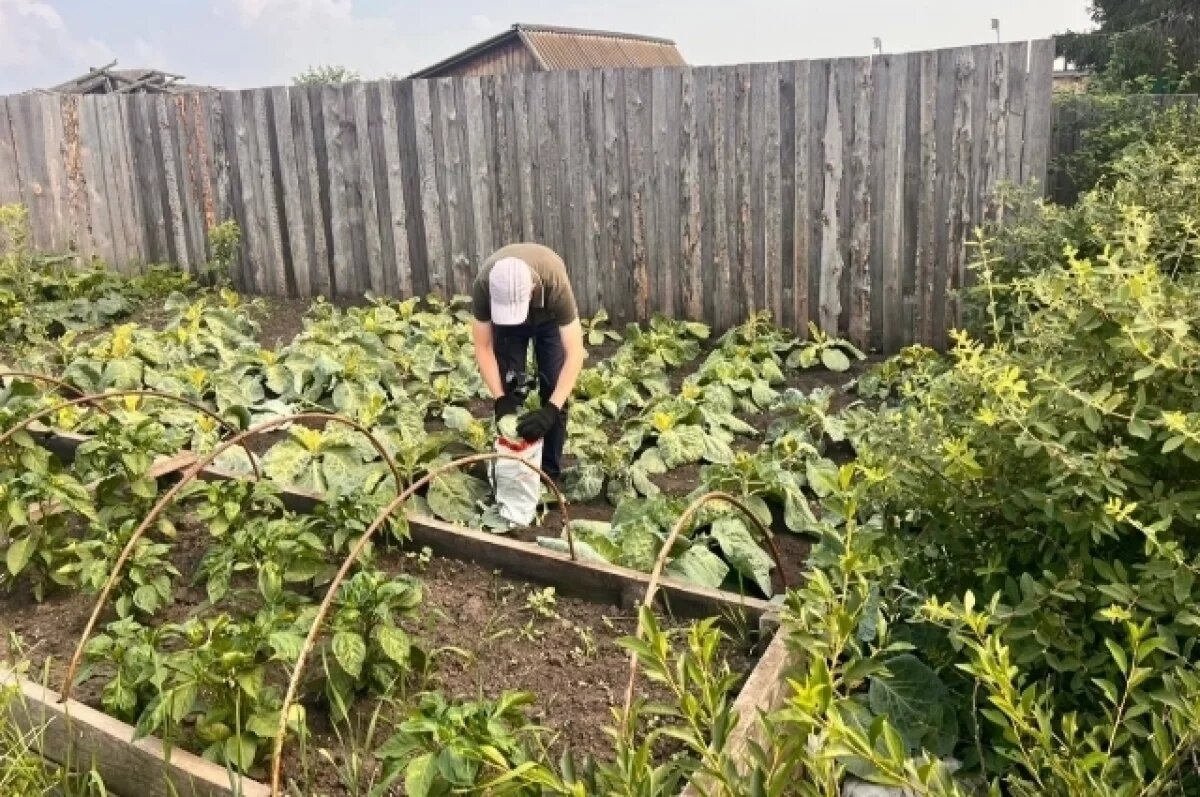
247	43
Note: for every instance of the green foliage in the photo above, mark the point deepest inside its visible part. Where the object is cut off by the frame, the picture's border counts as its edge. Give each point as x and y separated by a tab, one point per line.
275	551
695	722
368	649
224	243
209	672
1054	469
51	297
596	331
1144	45
35	539
721	550
1147	201
908	372
444	746
1111	125
333	461
1145	730
864	703
147	582
326	75
23	771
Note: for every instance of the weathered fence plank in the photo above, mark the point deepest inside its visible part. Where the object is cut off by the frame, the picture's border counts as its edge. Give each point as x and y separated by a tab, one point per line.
291	195
663	130
927	221
638	131
306	113
1037	111
52	139
398	278
772	197
10	162
105	184
859	260
802	197
372	268
148	168
577	208
690	209
91	163
960	198
26	129
356	267
79	215
832	261
834	192
892	211
745	180
479	176
161	130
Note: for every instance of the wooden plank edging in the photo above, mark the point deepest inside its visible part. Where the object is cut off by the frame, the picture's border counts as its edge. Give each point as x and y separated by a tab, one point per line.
595	581
76	736
765	691
75	732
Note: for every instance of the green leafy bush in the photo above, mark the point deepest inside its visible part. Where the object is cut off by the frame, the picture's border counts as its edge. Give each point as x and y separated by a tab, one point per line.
1054	470
1148	164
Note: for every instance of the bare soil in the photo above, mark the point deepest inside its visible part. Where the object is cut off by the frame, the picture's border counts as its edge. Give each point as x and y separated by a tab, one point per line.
485	636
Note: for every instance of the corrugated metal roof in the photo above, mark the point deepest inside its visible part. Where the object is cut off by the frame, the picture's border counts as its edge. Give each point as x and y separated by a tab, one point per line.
567	49
570	48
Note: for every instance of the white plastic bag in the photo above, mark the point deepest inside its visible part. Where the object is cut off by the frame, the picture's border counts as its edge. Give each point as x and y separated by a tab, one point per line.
518	488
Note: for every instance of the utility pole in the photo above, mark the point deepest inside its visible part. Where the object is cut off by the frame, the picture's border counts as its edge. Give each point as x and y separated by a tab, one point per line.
996	27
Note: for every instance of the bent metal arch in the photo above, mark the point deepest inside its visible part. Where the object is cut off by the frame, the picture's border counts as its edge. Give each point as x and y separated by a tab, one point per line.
169	497
94	398
352	557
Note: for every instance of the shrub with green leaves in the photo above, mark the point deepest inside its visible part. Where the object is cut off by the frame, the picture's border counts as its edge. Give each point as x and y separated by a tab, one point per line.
35	540
449	746
1054	469
368	648
1157	173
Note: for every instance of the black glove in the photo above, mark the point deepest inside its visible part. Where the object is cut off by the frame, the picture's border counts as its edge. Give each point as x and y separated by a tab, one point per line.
535	425
507	405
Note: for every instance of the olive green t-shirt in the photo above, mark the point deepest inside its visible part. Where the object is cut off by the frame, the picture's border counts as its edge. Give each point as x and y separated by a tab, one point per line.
552	300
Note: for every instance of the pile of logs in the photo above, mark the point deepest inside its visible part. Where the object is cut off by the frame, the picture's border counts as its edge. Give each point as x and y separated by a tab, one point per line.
108	80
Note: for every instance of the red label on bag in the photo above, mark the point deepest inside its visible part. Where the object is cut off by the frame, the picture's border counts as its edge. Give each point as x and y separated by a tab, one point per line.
515	446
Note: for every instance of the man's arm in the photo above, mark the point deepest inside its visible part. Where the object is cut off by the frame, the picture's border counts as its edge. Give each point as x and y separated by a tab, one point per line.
485	357
572	340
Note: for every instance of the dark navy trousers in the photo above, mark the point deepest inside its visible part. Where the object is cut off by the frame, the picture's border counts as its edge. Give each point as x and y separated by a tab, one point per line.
511	345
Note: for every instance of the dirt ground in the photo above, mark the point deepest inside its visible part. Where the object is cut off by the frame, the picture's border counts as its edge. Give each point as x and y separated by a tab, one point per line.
487	640
485	636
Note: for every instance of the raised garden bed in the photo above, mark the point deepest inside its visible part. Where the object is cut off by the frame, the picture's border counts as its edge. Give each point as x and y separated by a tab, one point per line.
685	416
564	650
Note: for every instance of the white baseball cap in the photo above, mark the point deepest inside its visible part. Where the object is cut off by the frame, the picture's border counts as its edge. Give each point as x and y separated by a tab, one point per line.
510	284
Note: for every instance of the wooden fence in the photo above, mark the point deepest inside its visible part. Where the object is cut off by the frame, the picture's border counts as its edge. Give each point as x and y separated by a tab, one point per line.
1074	116
837	192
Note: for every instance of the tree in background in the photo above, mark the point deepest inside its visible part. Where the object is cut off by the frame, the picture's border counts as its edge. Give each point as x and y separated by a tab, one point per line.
329	74
1140	46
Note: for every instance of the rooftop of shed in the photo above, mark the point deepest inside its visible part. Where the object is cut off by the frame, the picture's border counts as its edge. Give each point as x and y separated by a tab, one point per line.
556	48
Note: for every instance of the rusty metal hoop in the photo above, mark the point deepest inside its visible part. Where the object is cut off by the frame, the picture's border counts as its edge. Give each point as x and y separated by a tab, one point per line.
92	397
352	557
169	496
50	380
684	521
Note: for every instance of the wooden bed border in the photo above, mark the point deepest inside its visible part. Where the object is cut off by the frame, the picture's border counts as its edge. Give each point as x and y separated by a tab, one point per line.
595	581
77	737
77	733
